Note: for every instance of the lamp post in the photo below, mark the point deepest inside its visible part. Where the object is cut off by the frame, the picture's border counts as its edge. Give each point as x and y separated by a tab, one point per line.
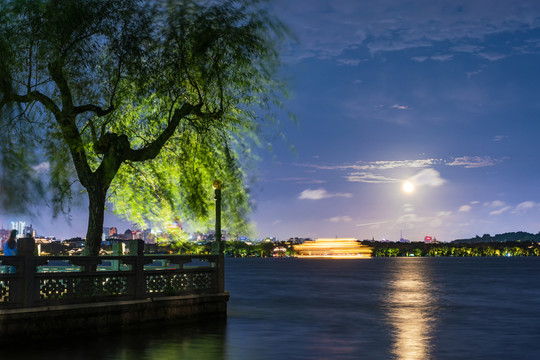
217	185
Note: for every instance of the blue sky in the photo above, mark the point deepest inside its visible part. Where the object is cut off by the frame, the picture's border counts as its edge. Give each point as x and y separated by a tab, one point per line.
444	94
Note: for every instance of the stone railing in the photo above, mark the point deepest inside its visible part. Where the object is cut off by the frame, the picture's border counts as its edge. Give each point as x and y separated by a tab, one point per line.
28	280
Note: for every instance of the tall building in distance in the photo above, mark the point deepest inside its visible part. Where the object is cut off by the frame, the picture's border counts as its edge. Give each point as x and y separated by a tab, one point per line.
19	226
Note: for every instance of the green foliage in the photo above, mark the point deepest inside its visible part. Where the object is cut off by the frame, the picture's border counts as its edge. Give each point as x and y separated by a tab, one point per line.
143	102
384	249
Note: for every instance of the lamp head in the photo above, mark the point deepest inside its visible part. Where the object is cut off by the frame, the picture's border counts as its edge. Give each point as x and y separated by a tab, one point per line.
217	185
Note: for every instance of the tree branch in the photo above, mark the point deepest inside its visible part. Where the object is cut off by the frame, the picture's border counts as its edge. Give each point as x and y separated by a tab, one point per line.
152	150
55	69
34	96
95	109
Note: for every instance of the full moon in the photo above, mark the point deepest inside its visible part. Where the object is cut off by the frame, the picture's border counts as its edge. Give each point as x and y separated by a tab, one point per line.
408	187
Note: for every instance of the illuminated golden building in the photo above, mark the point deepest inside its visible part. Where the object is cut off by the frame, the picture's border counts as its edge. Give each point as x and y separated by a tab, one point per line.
338	248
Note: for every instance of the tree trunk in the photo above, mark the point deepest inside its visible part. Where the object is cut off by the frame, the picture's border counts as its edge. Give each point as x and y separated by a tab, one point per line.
96	209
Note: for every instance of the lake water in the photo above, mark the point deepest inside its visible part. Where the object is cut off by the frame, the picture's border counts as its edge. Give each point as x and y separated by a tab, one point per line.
380	308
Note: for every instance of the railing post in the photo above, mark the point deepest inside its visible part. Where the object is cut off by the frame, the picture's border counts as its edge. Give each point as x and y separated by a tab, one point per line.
117	251
221	273
25	249
136	248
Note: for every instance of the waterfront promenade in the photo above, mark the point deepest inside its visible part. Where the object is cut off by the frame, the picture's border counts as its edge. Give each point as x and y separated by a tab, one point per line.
50	294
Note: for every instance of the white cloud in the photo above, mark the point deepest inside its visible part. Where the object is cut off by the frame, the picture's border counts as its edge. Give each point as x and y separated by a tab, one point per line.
373	224
500	137
500	211
399	107
465	161
349	62
393	164
524	207
495	203
407	221
428	177
444	213
319	194
420	58
465	208
466	48
339	219
442	57
474	161
303	180
446	57
378	165
492	56
328	28
407	208
370	178
472	73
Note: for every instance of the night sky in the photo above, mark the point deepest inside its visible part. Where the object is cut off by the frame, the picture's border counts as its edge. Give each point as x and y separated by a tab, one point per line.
442	94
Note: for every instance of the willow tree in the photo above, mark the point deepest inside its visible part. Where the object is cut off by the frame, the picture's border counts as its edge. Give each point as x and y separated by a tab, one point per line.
141	103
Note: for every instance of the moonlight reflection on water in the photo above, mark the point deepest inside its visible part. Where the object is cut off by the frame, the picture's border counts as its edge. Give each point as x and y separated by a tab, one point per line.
410	301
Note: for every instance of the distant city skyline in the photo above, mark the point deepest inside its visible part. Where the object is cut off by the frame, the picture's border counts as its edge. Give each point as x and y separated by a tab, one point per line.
443	95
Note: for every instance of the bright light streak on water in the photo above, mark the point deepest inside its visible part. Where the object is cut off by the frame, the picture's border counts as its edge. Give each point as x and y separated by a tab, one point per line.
398	308
410	302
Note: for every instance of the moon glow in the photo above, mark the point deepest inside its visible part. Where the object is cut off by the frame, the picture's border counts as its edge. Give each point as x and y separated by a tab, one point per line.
408	187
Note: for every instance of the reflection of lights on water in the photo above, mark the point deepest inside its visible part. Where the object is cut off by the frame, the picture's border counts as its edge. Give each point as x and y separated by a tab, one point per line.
409	302
333	248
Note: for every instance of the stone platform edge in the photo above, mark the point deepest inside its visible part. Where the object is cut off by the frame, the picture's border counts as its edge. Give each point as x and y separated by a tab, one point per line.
58	320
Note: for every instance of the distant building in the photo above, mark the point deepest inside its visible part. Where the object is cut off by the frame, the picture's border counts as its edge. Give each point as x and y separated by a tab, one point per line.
45	239
148	237
146	233
19	226
75	242
333	248
137	234
429	239
4	234
128	235
401	239
29	231
112	231
298	240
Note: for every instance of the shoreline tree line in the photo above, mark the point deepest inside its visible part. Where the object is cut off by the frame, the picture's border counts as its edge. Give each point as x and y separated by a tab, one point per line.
508	244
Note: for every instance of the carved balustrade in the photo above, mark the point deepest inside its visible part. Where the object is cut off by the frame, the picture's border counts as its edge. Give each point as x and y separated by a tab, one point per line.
28	280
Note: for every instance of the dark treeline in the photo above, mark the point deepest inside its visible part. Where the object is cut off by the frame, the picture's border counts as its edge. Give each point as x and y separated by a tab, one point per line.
508	248
508	244
519	236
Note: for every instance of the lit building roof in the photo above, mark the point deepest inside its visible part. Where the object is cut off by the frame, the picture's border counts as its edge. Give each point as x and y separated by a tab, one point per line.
333	248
